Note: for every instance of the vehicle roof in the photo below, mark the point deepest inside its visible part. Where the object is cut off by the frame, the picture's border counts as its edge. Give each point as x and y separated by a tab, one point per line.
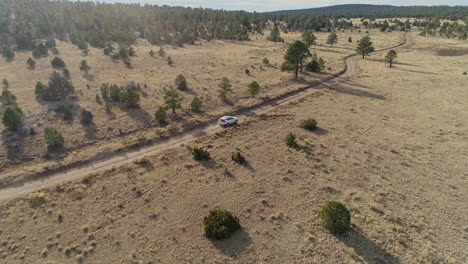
226	117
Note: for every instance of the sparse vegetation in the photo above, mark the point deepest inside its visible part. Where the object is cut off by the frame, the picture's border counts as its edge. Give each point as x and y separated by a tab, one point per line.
335	217
173	100
12	117
84	66
224	88
200	154
36	199
7	98
53	138
58	89
161	116
86	117
220	224
390	57
309	38
253	88
309	124
196	105
291	141
31	63
57	63
181	83
238	158
332	39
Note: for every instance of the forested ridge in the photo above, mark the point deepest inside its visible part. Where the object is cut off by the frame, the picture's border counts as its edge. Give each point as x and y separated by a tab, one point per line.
382	11
23	23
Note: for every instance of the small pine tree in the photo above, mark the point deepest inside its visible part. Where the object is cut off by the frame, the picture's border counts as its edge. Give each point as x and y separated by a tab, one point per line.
8	53
151	53
54	139
247	71
350	40
390	57
31	63
365	46
8	98
169	61
196	104
253	88
335	217
291	141
309	38
332	39
57	63
131	51
40	88
114	93
86	117
161	52
130	98
181	83
173	100
84	66
224	88
160	115
220	224
12	117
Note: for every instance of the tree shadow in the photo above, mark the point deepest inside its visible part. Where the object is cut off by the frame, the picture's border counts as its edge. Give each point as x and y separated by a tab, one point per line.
138	114
88	77
366	248
14	144
360	93
406	70
90	130
234	245
320	131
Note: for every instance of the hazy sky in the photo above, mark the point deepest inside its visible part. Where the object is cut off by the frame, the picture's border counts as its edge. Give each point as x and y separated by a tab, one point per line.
272	5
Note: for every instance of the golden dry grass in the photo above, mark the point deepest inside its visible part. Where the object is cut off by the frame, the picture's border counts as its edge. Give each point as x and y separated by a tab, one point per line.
391	144
203	65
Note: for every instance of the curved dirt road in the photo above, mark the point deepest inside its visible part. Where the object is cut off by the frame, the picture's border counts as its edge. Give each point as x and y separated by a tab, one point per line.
20	189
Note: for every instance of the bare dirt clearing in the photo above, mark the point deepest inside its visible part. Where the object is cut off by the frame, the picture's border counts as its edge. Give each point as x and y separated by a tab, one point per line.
203	66
392	145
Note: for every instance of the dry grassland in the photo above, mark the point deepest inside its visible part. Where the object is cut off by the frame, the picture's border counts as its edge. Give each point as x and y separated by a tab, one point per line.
391	144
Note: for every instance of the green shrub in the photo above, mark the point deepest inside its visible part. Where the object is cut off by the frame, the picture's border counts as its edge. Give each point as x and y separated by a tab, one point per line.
8	53
108	107
291	141
253	88
7	98
58	89
335	217
220	224
200	154
36	199
54	139
237	157
161	116
57	63
128	63
86	117
161	52
247	71
39	89
68	113
181	83
266	61
196	104
309	124
31	63
464	73
151	53
131	51
105	91
130	98
114	93
170	61
12	117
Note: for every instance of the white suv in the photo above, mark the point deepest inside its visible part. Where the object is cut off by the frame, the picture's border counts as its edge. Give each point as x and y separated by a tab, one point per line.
226	121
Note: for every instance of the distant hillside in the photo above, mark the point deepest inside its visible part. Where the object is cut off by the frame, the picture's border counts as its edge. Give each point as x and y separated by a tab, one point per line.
381	11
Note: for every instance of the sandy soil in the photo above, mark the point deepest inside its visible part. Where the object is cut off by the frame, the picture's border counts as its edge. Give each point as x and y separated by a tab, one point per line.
392	145
203	66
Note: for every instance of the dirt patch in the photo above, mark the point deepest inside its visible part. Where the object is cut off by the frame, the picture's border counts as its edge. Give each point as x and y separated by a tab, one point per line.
451	52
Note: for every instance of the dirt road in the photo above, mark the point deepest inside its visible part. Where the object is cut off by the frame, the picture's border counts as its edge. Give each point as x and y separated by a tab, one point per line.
16	190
